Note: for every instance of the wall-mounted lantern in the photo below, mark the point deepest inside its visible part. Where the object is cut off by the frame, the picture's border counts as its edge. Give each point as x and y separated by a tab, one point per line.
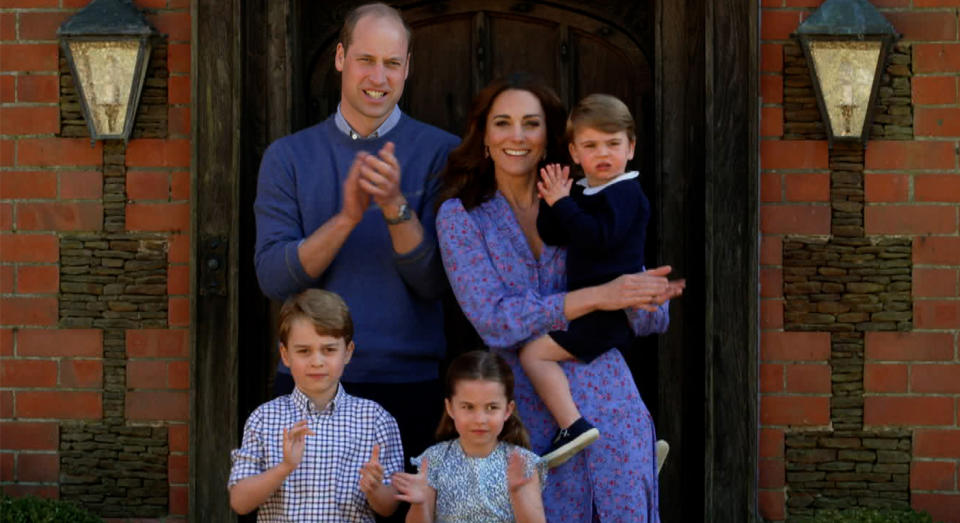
107	44
846	44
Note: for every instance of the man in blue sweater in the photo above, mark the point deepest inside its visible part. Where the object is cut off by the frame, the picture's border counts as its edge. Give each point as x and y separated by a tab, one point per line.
348	205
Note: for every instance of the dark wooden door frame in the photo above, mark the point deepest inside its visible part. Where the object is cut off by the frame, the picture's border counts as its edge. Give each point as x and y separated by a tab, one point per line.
707	114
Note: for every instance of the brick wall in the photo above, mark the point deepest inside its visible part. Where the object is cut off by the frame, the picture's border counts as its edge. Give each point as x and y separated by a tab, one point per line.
94	277
859	267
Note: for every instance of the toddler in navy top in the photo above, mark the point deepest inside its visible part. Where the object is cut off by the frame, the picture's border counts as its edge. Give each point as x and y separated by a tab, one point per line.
602	220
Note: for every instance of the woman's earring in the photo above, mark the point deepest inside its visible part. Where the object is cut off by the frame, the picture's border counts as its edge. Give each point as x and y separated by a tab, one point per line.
486	151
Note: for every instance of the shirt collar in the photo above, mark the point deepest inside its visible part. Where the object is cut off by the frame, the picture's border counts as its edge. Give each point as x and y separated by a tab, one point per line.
384	128
307	407
594	190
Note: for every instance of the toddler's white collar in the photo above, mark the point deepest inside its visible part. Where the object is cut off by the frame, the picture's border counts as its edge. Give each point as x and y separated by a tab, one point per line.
594	190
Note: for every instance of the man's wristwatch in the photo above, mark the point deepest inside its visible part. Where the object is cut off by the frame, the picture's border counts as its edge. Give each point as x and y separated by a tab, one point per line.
403	214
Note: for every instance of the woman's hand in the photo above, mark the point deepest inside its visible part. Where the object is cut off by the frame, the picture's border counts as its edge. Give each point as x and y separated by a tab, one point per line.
644	290
412	488
554	183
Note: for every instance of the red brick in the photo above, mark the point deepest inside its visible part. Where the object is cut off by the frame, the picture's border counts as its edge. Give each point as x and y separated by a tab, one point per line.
178	468
909	346
29	57
157	405
8	26
807	187
29	248
771	187
40	468
7	152
6	279
771	473
771	121
771	88
28	373
179	500
178	279
178	374
934	443
795	219
771	58
175	24
902	155
178	437
178	58
60	342
771	443
934	90
33	4
7	466
146	374
59	151
180	185
910	219
936	58
794	410
81	374
936	187
777	25
884	378
6	216
178	121
60	216
148	185
891	3
178	312
178	250
28	311
772	504
771	250
8	91
935	378
28	184
936	314
41	25
894	410
20	490
935	283
771	283
803	3
932	475
151	4
38	279
158	217
936	250
6	344
38	88
771	314
936	121
178	90
20	435
151	152
771	377
924	25
794	154
941	507
157	343
81	185
808	378
886	187
59	404
936	3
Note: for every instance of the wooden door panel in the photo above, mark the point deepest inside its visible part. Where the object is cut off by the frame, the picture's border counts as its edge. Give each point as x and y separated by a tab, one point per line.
439	89
524	44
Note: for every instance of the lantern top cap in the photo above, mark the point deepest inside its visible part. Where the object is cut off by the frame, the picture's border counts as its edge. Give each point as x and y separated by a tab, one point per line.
107	17
846	17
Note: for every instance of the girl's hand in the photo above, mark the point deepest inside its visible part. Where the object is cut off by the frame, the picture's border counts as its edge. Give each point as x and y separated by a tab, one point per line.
554	183
371	474
516	472
412	488
294	443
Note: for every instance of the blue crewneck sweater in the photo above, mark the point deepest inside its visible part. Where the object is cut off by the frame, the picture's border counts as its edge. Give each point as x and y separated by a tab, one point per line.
393	299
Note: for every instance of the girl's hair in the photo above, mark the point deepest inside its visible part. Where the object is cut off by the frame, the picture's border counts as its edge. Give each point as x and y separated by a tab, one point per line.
484	366
469	172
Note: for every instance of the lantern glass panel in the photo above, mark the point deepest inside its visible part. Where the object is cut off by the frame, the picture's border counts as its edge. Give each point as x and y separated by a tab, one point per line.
106	71
846	70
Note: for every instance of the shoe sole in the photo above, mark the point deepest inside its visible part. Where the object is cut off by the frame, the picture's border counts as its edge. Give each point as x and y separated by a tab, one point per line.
663	448
563	454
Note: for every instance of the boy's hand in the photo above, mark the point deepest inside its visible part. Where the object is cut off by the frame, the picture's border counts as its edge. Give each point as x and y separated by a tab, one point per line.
371	474
294	442
554	183
412	488
516	472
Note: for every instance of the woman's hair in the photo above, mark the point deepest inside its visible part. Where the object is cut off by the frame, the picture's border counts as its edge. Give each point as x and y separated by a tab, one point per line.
604	113
484	366
469	172
325	310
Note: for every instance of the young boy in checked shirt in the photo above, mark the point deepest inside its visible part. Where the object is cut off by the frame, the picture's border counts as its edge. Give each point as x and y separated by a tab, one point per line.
337	473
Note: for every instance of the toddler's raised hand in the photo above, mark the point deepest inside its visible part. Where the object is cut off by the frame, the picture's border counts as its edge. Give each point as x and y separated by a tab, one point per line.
516	472
412	488
554	183
294	442
371	474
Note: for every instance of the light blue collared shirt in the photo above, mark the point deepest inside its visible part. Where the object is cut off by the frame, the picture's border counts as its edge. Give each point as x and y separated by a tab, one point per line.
384	128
